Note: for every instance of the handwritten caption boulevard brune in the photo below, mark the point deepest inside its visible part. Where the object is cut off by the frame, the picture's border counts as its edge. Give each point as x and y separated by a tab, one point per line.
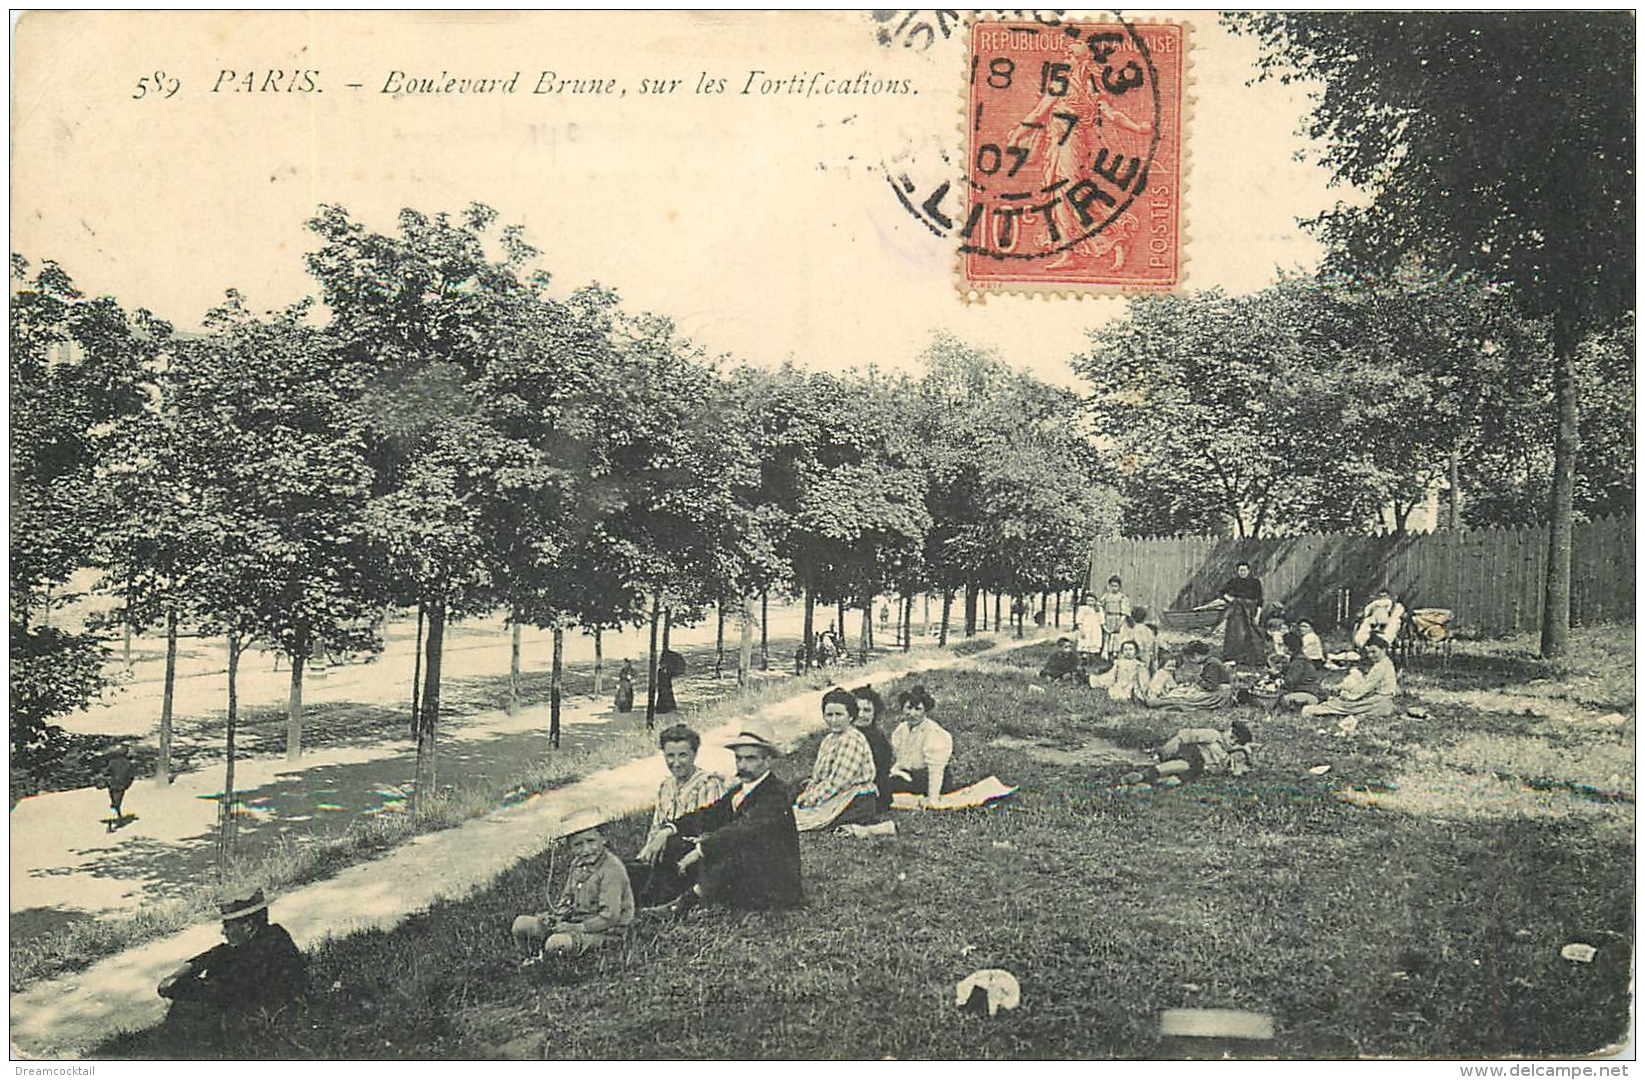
401	84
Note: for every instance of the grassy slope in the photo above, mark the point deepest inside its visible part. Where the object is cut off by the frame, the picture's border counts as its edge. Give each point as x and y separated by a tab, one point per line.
1363	931
44	943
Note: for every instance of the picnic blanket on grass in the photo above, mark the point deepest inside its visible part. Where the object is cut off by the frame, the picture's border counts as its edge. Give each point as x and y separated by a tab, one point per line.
972	795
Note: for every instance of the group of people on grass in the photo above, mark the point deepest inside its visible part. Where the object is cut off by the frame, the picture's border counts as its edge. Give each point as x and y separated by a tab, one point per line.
711	840
736	841
1283	664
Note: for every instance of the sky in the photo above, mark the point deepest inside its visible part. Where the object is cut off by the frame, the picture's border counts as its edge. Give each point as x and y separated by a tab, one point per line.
763	223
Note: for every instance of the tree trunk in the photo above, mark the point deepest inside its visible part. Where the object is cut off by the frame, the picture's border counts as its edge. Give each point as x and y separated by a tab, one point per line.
808	631
719	636
1402	514
130	589
998	626
1556	602
226	822
294	708
599	662
512	706
1059	610
1455	469
970	612
765	625
982	603
428	716
839	621
556	673
417	676
745	654
651	668
162	767
1020	606
947	609
867	629
907	622
925	625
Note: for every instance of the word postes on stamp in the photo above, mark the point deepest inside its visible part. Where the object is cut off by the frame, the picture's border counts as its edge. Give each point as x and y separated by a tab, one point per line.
1074	157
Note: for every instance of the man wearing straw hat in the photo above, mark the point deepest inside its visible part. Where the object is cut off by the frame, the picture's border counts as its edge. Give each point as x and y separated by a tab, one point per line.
258	966
596	906
744	849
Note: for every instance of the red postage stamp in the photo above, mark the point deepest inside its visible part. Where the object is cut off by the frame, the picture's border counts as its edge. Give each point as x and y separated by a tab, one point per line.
1074	165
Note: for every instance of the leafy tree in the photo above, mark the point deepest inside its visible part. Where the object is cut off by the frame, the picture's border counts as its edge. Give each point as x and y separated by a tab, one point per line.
1013	490
672	469
1415	110
1508	474
275	389
153	541
1234	406
423	313
79	365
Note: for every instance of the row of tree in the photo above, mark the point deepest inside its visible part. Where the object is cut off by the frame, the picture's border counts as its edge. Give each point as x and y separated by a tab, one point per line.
1495	146
1320	404
438	431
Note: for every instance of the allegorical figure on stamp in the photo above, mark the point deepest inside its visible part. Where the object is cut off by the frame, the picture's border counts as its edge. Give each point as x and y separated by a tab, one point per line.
1071	130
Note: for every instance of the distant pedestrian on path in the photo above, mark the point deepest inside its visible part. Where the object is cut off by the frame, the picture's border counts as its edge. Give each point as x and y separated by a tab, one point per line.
117	777
670	666
625	687
258	968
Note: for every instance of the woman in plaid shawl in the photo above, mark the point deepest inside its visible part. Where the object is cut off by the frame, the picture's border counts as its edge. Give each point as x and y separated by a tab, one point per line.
841	789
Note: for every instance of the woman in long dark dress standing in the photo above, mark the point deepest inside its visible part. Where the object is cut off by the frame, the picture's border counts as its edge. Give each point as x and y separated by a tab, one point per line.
625	687
670	666
1242	639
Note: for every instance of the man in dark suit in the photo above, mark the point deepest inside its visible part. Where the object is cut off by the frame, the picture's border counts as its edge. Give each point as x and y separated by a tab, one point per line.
742	849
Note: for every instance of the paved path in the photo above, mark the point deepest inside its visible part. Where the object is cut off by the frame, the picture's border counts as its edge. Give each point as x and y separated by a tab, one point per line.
66	866
358	762
66	1016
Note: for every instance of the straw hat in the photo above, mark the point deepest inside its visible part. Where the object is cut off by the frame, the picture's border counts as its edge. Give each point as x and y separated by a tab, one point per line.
754	733
580	821
239	909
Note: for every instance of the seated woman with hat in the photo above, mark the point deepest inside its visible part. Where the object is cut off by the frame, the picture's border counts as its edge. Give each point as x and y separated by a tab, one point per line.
257	967
596	905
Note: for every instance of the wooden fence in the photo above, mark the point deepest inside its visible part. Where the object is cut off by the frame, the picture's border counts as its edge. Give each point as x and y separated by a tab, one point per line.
1492	578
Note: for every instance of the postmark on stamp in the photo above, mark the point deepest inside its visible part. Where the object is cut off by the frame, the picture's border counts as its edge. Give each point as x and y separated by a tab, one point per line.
1074	157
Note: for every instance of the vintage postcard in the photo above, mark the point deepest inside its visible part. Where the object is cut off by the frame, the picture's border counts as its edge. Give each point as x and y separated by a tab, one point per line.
915	535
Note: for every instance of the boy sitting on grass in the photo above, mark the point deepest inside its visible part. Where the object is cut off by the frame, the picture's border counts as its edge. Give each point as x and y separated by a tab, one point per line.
596	906
1062	663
